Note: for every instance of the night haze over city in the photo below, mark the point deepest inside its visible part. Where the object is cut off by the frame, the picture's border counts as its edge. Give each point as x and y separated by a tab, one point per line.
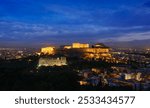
36	23
74	45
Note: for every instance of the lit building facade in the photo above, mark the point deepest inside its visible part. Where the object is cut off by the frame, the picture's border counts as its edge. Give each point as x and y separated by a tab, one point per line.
79	45
67	47
135	76
52	61
47	50
97	53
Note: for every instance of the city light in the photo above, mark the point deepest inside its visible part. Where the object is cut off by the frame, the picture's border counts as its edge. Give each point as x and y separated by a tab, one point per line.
47	50
96	66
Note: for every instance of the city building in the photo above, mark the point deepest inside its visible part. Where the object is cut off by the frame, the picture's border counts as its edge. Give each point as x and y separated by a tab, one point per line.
138	76
135	76
99	45
97	51
79	45
15	53
67	47
128	76
47	50
52	61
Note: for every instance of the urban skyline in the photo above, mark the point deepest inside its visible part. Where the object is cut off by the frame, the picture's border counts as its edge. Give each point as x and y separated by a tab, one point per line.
77	67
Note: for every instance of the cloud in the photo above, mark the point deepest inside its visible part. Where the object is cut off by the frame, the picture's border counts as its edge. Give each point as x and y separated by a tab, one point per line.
129	37
68	20
20	30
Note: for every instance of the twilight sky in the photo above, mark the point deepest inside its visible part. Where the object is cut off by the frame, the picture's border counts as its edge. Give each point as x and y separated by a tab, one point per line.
45	22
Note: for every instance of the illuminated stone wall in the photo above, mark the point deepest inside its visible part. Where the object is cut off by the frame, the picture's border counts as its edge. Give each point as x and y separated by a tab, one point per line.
79	45
47	50
97	53
135	76
97	50
67	47
52	61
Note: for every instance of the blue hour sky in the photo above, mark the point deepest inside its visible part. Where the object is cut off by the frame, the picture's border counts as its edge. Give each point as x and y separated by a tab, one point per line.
45	22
